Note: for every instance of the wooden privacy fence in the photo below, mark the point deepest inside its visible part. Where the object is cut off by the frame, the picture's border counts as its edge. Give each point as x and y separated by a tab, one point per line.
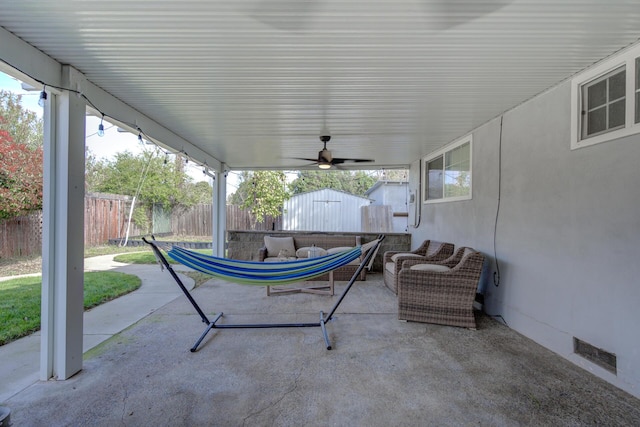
239	219
105	218
197	221
377	218
194	221
21	236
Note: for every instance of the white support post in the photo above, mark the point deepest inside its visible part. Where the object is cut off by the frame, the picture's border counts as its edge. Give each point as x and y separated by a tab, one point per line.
63	233
220	213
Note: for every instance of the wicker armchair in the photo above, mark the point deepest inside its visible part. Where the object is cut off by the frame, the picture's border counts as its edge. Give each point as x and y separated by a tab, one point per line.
441	293
429	251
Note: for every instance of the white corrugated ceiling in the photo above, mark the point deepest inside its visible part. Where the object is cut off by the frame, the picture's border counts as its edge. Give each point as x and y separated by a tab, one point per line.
253	83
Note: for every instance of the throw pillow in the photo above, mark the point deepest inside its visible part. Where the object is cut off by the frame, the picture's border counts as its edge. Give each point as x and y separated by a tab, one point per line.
276	244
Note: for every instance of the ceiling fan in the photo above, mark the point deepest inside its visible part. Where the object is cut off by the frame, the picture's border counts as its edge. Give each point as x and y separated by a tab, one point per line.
325	160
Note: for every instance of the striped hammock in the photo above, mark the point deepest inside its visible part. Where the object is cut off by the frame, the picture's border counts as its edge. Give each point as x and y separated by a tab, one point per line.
265	273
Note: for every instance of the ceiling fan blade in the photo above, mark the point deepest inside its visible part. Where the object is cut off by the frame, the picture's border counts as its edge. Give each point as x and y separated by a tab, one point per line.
302	158
337	160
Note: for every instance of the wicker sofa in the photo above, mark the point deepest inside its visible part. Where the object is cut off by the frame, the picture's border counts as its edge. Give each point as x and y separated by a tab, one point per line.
428	251
277	248
442	292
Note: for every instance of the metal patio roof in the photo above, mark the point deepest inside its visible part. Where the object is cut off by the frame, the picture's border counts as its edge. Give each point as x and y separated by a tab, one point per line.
254	83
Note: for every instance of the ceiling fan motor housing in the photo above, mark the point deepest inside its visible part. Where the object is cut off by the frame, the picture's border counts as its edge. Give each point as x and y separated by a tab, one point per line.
325	156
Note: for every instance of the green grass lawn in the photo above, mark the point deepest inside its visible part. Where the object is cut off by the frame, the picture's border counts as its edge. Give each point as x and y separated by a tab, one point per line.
20	299
149	257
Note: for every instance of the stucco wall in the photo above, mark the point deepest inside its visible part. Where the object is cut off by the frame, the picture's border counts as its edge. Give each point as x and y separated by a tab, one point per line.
567	233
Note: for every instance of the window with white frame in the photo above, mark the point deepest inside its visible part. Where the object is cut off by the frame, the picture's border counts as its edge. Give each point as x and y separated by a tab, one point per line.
447	173
606	100
603	103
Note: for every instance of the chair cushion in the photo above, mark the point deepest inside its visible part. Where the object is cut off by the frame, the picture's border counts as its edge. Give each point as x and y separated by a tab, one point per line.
430	267
304	252
390	267
395	257
277	244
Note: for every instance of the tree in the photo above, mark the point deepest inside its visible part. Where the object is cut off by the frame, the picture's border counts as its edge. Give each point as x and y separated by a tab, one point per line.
20	177
263	193
148	177
357	182
21	157
24	126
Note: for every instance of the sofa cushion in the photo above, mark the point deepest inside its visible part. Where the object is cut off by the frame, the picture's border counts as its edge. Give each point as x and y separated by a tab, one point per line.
279	246
279	259
395	257
332	251
430	267
304	252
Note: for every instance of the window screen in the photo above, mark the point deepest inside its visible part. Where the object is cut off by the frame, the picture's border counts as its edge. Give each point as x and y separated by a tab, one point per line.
603	107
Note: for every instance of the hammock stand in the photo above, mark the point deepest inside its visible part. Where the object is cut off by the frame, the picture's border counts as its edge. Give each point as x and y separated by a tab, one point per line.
212	324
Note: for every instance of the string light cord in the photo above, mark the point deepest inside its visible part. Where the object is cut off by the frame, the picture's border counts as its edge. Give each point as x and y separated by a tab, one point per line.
102	114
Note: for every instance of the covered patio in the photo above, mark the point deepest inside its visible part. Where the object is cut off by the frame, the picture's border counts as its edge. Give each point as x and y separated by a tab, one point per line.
381	371
532	108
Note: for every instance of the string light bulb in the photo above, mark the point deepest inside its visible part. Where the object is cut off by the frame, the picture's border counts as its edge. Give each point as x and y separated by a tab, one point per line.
140	137
101	127
43	96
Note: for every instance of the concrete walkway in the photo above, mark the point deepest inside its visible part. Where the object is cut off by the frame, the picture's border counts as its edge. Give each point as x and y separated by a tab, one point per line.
20	360
380	372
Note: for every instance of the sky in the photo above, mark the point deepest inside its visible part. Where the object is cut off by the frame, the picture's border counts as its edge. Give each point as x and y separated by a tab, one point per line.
113	142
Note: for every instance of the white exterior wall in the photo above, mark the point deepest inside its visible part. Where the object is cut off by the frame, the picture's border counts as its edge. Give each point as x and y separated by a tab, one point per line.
323	210
394	194
567	233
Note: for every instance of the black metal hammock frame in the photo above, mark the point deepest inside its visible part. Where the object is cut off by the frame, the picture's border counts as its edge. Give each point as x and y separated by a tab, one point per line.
212	324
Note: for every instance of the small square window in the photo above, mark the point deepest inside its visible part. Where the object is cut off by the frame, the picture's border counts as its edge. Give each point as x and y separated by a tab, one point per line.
605	100
604	103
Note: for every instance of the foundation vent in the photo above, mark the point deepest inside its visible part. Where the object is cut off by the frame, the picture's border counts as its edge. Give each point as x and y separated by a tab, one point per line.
600	357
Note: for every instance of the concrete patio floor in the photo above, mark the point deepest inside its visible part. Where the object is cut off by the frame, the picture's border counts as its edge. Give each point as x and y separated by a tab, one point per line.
381	372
